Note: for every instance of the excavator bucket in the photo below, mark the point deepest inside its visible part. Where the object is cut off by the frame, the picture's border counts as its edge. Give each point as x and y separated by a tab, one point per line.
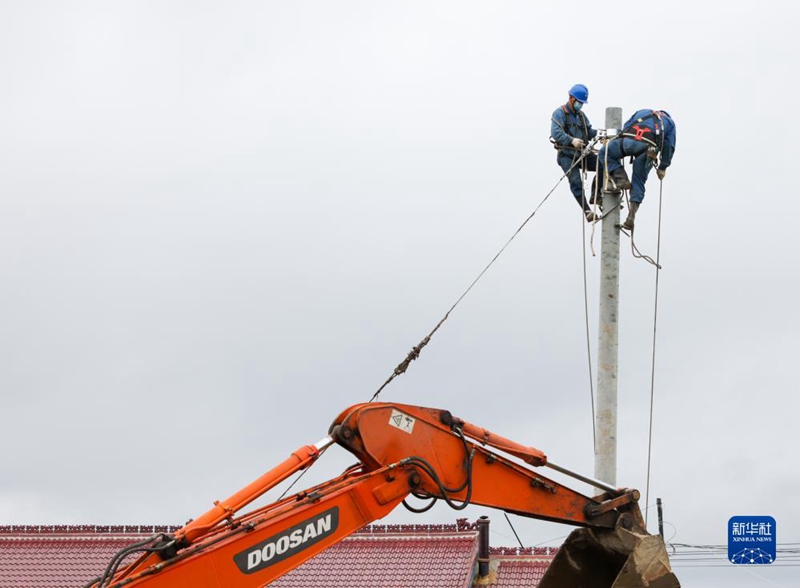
612	558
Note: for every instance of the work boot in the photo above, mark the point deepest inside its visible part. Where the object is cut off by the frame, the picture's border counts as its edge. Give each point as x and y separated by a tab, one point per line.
628	224
620	179
587	211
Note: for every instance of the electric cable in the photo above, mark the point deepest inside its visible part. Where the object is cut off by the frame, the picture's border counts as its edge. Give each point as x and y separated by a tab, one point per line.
415	351
653	364
303	473
513	529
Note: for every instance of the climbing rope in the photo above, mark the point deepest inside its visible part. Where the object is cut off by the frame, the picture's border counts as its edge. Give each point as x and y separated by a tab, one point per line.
653	364
598	188
588	341
634	249
598	185
415	351
595	208
586	302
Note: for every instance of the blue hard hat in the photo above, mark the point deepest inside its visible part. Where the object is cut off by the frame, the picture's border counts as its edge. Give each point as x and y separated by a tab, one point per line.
580	93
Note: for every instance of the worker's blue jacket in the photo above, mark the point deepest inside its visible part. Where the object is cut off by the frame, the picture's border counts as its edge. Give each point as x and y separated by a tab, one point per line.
656	128
567	124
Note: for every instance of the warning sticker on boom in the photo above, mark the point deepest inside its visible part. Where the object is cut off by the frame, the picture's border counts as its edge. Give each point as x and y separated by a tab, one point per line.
402	421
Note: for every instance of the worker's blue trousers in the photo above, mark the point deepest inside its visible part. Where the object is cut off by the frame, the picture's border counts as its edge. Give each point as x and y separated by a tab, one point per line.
575	176
641	163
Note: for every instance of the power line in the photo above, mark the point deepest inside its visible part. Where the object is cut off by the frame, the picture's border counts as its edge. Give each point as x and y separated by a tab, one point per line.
513	529
653	365
415	351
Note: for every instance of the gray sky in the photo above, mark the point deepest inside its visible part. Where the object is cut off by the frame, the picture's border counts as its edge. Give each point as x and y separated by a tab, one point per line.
221	224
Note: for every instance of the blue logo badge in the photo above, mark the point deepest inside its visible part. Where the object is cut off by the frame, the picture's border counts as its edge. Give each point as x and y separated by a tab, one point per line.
751	540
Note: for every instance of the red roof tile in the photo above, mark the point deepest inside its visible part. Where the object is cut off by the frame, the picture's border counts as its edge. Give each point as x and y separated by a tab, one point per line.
62	556
520	573
379	556
390	561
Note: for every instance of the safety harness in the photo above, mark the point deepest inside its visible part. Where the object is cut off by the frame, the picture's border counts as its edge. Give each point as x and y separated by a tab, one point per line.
637	131
575	126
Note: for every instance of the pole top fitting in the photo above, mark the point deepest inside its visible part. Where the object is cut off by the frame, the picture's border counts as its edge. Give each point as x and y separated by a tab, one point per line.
613	117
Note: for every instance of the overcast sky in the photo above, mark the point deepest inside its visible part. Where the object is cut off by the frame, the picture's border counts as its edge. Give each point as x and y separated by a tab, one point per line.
223	223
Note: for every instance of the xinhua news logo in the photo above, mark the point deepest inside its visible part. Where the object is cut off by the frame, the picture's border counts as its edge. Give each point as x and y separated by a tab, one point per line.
752	540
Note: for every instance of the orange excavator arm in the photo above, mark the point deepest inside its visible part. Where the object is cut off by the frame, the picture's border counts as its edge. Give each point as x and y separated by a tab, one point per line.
402	450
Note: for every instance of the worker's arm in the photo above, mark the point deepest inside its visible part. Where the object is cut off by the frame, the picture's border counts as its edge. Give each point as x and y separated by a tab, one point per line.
557	128
668	150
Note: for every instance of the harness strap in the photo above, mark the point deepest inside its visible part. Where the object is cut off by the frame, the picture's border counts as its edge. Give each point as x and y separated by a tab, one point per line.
567	124
637	132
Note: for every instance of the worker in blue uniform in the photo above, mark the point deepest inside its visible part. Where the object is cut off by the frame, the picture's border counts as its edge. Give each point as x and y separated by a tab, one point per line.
570	130
649	138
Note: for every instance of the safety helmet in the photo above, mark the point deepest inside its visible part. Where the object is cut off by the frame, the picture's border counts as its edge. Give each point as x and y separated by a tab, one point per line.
580	93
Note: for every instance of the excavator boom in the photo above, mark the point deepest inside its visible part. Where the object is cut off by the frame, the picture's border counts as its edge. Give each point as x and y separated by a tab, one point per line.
403	451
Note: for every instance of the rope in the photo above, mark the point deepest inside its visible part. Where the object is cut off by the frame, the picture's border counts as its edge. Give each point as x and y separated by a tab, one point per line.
415	351
638	254
586	312
634	249
598	185
598	189
653	365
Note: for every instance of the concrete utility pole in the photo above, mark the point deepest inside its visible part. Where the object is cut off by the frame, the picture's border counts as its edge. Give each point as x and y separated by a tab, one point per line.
605	452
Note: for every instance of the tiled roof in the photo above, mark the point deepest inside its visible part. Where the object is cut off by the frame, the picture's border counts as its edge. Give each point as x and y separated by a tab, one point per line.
62	556
390	560
378	556
519	573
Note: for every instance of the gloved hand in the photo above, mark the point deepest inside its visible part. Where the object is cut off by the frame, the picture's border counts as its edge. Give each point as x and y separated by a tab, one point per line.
661	173
577	143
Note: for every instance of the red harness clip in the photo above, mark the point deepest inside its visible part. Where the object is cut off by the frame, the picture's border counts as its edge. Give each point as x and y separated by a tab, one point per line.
640	132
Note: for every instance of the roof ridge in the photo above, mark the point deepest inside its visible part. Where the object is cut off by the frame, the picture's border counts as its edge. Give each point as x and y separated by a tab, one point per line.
417	528
462	526
467	537
93	529
523	550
